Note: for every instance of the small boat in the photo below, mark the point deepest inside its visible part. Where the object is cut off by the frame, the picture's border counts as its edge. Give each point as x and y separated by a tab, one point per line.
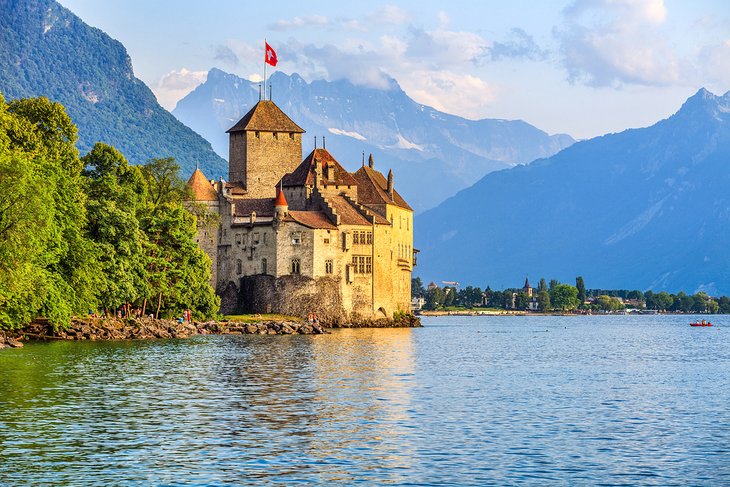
702	323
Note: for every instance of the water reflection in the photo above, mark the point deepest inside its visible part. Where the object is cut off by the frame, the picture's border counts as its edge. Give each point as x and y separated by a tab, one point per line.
463	402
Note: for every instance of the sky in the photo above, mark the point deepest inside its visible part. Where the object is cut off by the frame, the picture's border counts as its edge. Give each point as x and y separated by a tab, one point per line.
582	67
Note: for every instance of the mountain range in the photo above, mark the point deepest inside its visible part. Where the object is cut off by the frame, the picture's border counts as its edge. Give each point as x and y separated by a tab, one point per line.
45	50
433	154
645	208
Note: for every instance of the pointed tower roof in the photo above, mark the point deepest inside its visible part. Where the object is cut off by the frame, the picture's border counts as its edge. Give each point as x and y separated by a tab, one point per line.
266	117
303	175
280	198
527	284
201	188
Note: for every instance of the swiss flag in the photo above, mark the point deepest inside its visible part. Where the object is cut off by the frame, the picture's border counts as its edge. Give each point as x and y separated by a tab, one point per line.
270	57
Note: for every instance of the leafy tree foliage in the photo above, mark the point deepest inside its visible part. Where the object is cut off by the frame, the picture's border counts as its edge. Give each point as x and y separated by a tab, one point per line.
543	300
564	297
417	289
74	239
580	285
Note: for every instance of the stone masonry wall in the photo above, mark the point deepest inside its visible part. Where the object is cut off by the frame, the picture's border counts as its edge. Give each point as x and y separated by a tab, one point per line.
293	295
268	157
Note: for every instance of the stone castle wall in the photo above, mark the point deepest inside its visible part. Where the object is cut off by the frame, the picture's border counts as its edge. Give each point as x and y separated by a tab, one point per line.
269	155
294	295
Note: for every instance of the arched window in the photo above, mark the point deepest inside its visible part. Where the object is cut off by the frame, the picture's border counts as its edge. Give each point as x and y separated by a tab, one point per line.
263	265
295	266
239	266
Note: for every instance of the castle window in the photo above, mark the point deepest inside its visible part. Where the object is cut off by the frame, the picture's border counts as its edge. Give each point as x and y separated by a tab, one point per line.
238	239
327	240
328	266
362	264
263	266
369	238
291	135
276	135
239	267
257	134
256	238
356	237
296	239
265	238
295	266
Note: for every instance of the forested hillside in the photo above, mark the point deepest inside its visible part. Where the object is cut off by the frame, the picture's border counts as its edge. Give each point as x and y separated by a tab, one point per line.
45	50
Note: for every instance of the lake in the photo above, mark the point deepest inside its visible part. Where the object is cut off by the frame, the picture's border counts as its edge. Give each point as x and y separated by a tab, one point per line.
602	400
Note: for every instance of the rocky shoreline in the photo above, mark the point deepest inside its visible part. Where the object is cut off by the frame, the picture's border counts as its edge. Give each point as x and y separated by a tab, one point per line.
146	329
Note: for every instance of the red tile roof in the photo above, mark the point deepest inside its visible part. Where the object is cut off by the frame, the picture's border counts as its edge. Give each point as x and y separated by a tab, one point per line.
266	117
201	188
312	219
303	175
349	214
372	189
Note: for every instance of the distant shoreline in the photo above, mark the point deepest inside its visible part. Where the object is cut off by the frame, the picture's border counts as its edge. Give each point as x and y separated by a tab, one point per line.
552	313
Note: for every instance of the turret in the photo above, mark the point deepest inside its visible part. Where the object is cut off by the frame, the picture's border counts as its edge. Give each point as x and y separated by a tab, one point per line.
281	207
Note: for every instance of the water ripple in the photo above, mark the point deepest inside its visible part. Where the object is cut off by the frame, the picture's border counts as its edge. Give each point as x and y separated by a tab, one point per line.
464	401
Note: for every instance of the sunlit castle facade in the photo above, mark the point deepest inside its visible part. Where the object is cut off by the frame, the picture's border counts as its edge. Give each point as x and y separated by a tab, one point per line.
299	235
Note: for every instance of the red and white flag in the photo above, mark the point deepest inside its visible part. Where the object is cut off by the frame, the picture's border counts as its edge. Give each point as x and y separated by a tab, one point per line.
270	56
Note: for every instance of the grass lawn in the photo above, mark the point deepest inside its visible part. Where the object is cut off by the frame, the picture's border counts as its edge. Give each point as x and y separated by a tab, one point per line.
255	318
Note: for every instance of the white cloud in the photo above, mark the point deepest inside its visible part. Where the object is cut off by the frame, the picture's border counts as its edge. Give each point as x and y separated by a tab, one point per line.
715	65
616	42
300	22
176	84
462	94
390	14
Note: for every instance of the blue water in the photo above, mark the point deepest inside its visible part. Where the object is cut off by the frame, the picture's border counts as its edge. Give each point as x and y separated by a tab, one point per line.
612	400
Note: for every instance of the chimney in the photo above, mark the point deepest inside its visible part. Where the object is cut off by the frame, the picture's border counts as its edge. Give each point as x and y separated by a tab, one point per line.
390	184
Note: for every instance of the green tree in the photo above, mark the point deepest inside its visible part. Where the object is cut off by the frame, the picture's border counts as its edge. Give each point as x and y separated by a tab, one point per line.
580	285
449	295
434	298
522	300
417	289
609	303
542	285
553	283
543	300
40	133
116	194
564	297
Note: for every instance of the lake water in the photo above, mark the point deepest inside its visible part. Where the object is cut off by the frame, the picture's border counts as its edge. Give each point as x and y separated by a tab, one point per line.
612	400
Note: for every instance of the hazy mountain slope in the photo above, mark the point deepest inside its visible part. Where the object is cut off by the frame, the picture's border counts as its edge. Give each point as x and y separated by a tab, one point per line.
645	208
45	50
433	154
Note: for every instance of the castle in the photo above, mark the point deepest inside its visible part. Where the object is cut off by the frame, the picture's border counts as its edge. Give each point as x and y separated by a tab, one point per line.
297	236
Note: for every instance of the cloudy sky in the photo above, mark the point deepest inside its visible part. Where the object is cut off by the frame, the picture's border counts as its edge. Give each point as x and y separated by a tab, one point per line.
583	67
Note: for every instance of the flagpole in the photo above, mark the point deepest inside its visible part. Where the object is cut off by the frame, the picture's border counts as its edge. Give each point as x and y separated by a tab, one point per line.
264	68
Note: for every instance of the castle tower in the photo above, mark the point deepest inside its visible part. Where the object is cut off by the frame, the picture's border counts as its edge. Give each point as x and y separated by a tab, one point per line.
205	206
263	146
